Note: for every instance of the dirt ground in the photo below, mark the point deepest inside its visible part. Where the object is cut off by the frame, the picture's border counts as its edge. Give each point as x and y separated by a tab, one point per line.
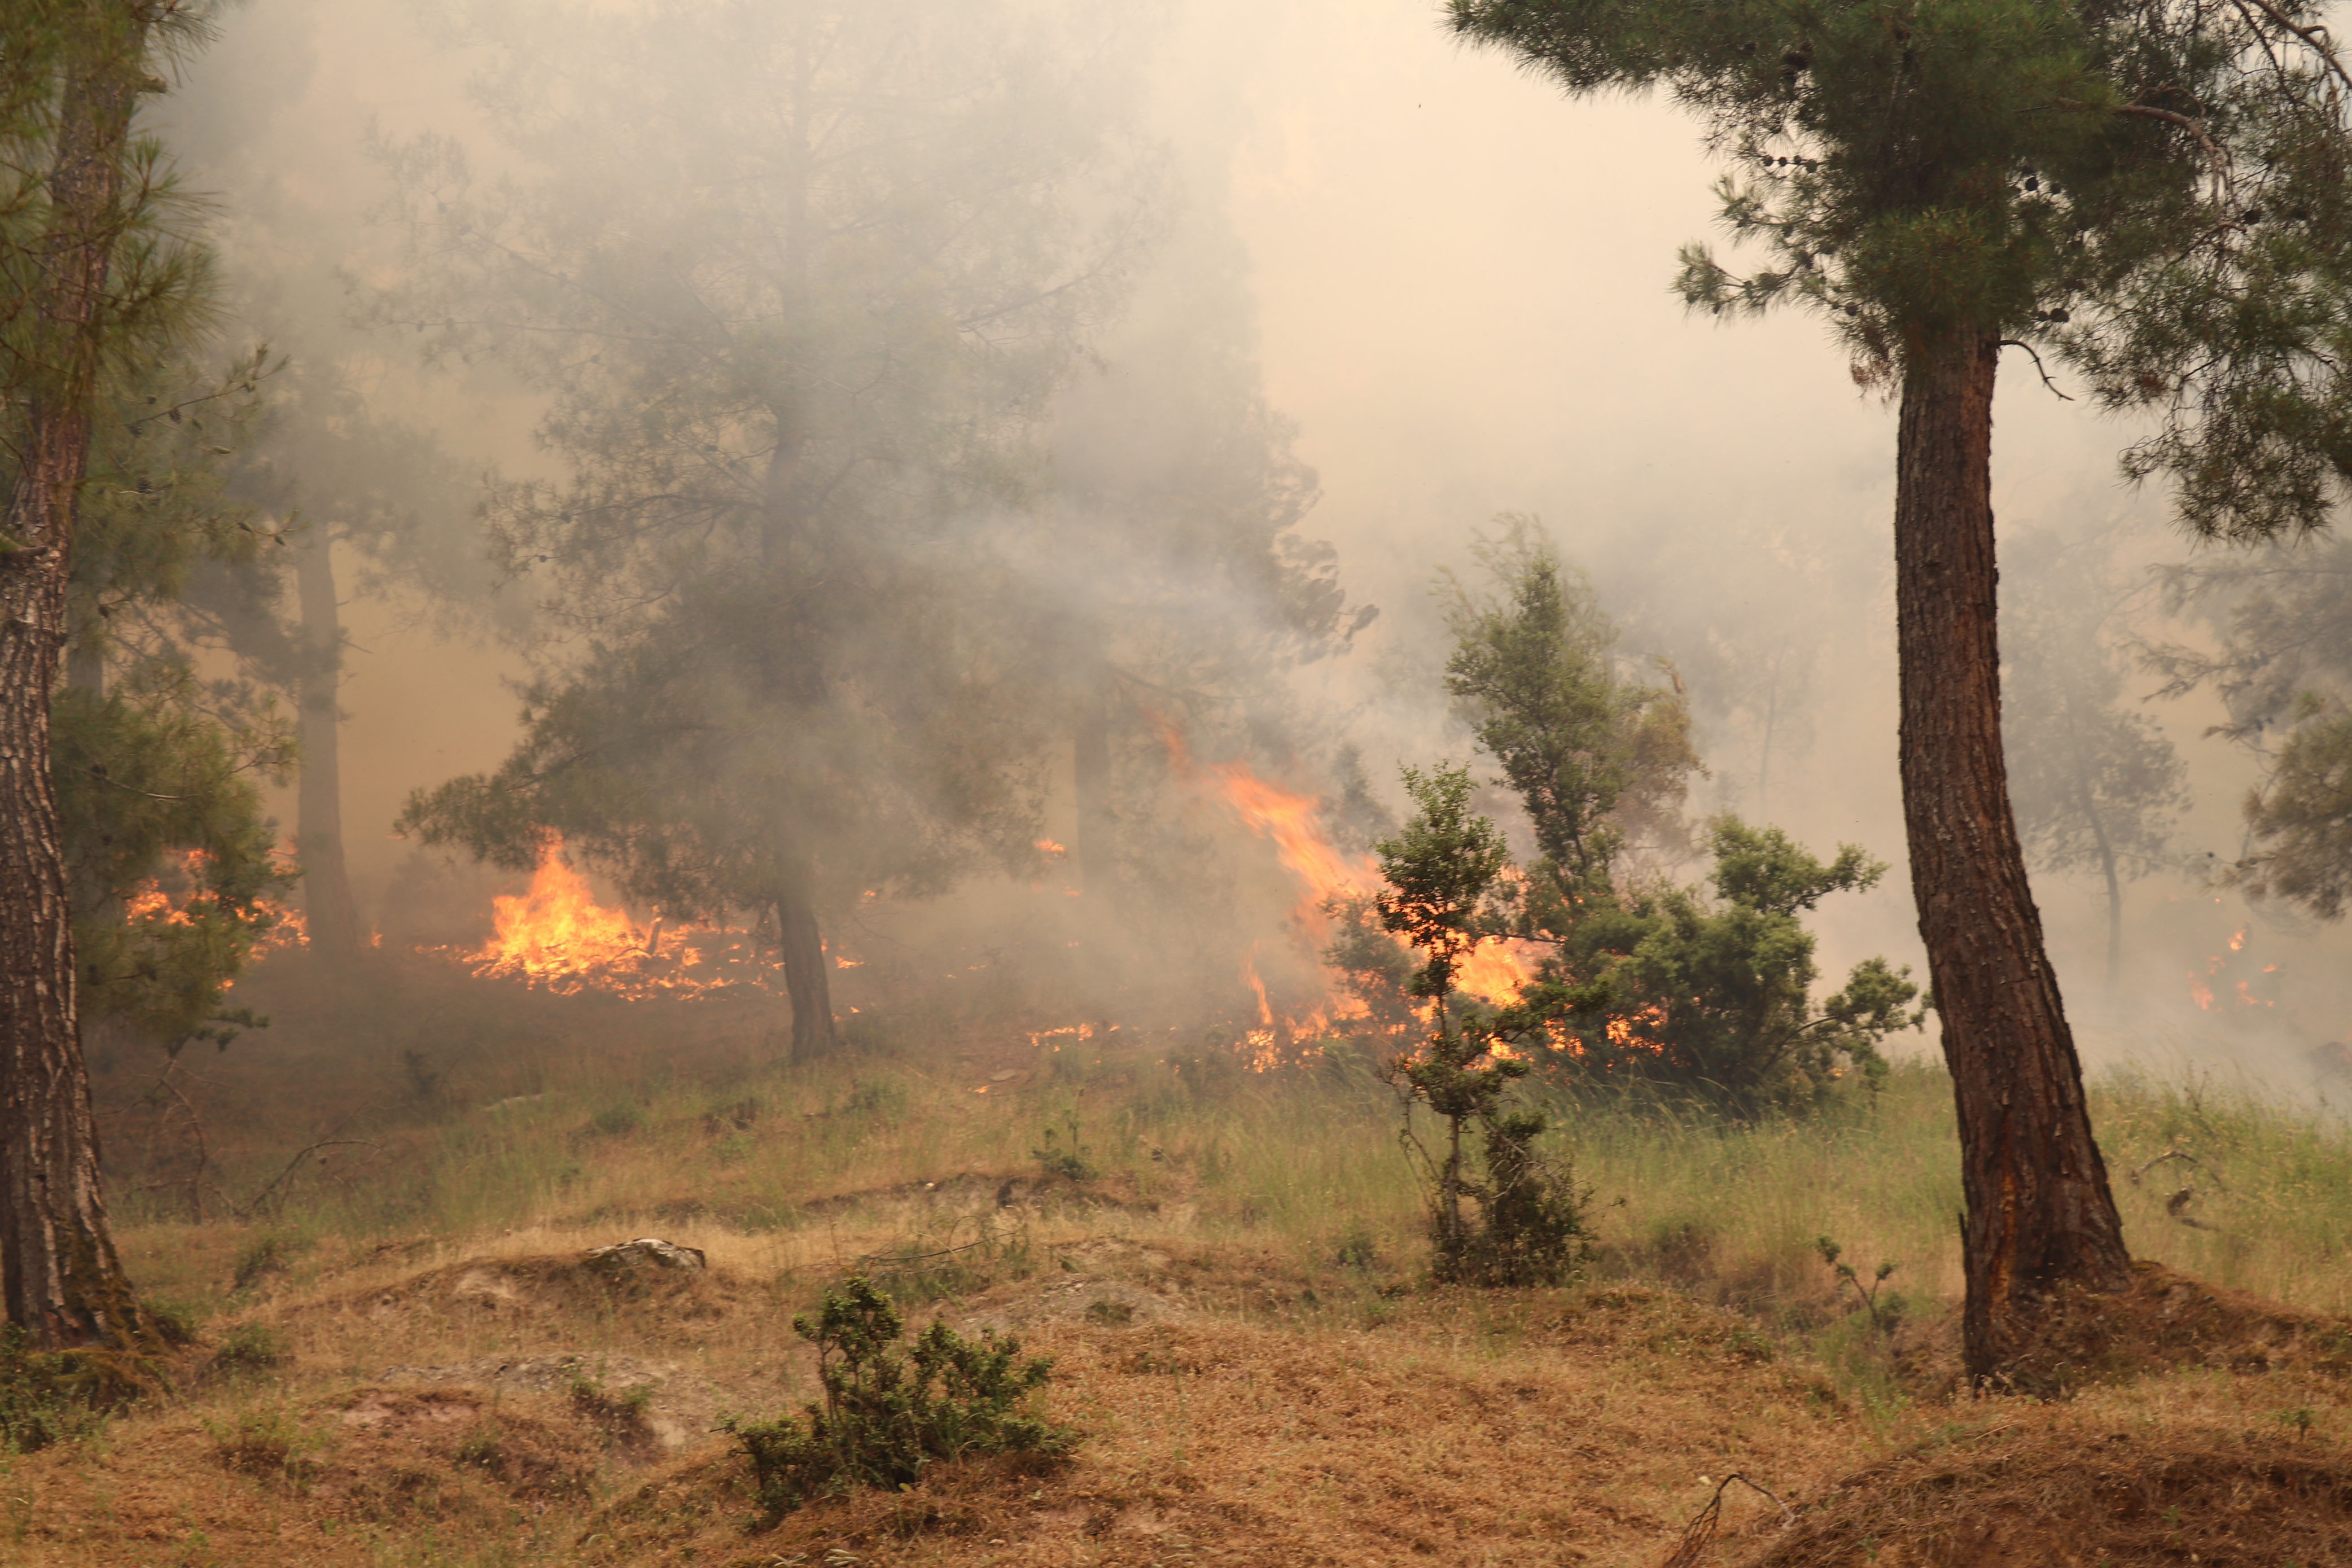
513	1404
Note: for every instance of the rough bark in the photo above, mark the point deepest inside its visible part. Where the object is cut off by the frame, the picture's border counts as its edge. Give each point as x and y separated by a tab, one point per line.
2039	1215
62	1281
331	915
802	946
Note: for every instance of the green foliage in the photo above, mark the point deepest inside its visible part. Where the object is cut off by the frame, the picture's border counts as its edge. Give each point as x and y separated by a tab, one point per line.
269	1443
2159	197
617	1121
1592	757
269	1254
1646	982
889	1414
1065	1157
45	1397
775	422
2284	673
155	797
250	1348
1442	871
2301	820
1886	1308
1717	997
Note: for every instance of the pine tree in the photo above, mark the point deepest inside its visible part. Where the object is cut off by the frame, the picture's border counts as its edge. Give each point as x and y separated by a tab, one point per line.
170	855
2157	196
799	280
2283	672
2097	786
94	272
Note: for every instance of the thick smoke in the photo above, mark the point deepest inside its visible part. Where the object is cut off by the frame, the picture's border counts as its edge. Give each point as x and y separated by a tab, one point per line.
1274	281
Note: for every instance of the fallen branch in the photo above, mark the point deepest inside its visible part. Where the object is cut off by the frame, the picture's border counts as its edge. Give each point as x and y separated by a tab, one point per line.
1700	1533
2184	1159
291	1165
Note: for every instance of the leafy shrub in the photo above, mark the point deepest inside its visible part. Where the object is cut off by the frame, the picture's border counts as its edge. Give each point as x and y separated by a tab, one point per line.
424	1080
1886	1308
1716	996
886	1415
618	1413
883	1099
267	1443
1358	1250
1532	1229
1528	1224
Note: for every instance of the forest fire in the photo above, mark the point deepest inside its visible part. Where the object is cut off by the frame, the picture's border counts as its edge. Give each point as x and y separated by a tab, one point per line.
1293	823
556	937
275	924
2202	988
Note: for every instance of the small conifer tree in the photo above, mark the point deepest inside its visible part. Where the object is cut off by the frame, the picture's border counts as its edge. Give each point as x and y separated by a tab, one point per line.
888	1415
1442	871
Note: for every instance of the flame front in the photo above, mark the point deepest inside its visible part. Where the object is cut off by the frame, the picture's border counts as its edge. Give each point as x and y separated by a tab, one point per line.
557	937
557	932
153	903
1293	823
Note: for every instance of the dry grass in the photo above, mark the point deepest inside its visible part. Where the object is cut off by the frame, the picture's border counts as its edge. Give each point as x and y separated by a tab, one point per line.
1232	1297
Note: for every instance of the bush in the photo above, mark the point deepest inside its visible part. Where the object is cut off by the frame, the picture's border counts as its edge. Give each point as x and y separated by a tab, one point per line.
888	1415
1532	1230
267	1443
1068	1160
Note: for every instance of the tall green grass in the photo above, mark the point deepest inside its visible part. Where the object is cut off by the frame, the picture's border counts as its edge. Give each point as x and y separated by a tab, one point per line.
1305	1160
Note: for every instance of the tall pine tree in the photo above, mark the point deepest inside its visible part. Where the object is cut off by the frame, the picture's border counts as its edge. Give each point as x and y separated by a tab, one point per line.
2156	197
798	280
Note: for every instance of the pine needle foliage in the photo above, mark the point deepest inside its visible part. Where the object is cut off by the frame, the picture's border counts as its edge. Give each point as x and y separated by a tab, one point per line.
888	1416
1503	1215
2158	196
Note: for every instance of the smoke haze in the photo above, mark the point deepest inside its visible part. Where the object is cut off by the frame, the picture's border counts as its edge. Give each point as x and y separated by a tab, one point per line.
1452	284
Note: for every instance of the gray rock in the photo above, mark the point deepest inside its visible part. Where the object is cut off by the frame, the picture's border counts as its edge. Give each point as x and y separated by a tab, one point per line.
646	1251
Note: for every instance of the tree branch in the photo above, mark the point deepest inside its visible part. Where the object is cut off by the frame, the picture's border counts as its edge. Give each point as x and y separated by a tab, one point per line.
2019	343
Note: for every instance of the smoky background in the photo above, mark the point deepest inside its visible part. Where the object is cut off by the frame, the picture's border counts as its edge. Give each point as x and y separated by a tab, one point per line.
1444	293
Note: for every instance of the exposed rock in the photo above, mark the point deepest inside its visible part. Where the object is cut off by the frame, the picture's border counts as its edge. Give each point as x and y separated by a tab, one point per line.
646	1251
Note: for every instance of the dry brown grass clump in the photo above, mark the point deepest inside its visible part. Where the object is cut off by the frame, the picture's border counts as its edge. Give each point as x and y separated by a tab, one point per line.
1547	1427
2064	1494
2166	1322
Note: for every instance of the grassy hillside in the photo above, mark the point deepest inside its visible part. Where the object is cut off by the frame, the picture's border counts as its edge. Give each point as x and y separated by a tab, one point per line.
405	1361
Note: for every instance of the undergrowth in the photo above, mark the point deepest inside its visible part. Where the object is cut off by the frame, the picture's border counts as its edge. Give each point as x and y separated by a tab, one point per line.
888	1415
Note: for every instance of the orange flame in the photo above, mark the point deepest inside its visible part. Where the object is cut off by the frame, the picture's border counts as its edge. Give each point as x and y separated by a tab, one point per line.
557	937
557	932
1293	822
153	903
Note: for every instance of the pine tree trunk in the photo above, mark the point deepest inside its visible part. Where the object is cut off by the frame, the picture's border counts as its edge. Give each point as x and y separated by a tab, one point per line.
332	916
62	1281
1097	847
2038	1212
802	946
